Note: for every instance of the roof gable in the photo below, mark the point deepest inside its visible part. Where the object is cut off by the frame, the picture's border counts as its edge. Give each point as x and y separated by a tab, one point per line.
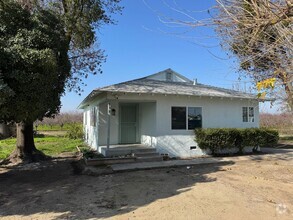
168	75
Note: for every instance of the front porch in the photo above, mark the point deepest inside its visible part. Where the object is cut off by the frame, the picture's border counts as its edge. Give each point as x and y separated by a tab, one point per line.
125	123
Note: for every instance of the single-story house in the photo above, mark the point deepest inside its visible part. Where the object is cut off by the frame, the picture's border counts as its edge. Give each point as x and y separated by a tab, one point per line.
161	111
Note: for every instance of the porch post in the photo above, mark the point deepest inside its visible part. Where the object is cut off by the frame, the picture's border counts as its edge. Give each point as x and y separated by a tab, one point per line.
108	125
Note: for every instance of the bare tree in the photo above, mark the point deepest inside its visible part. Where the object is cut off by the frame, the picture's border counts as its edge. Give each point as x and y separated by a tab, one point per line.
259	33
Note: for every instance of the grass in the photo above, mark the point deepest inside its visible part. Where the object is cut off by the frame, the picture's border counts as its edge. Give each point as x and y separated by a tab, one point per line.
286	138
46	127
50	145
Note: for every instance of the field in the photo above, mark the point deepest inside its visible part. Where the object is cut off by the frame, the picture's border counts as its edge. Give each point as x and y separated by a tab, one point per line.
51	138
50	145
53	127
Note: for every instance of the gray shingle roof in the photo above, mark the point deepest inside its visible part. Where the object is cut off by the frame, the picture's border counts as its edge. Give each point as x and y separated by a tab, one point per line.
151	86
144	85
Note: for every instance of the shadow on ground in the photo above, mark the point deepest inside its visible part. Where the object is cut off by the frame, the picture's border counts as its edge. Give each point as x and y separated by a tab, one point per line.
53	188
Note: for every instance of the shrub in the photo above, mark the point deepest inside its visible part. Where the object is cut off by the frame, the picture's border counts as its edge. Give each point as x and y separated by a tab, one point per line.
218	139
75	131
215	139
88	153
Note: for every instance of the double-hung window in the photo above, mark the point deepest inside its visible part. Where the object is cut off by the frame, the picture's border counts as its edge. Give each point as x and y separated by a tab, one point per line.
186	118
248	114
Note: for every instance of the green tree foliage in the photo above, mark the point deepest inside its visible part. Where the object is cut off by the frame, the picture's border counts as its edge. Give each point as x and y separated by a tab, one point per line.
46	46
34	62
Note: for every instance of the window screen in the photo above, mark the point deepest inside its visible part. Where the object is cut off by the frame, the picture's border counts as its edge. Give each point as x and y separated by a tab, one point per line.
194	117
244	114
248	114
179	118
251	114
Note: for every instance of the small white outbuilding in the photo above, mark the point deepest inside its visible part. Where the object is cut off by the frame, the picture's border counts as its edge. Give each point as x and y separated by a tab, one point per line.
161	111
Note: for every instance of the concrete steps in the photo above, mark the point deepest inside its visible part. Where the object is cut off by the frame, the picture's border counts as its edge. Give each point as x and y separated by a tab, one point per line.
148	156
140	152
149	159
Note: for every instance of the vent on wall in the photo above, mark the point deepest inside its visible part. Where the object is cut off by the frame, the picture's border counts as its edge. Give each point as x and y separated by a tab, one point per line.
169	76
192	147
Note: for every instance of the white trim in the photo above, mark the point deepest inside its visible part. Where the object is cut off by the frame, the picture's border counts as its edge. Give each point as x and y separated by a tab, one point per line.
248	117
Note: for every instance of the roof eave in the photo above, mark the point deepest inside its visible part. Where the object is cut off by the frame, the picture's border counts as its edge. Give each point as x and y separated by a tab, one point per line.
195	95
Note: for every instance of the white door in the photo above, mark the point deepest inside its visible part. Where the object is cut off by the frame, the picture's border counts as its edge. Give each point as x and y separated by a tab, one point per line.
128	123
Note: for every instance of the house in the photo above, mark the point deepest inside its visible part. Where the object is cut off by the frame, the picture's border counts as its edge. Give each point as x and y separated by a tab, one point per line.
161	111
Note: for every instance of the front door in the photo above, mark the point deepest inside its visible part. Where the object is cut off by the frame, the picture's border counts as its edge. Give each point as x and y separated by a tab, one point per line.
128	123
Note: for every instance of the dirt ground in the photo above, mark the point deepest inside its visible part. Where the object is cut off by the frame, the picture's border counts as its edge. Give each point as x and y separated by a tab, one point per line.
255	189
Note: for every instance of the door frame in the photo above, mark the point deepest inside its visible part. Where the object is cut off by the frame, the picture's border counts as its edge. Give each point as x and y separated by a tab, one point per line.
137	141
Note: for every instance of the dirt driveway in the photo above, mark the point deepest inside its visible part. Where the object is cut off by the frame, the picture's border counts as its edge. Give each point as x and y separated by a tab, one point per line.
255	189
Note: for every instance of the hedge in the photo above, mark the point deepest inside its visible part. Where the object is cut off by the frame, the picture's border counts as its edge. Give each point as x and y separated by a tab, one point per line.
218	139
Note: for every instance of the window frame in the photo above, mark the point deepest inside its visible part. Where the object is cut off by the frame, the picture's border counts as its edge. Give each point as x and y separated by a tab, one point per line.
250	119
172	118
186	117
188	120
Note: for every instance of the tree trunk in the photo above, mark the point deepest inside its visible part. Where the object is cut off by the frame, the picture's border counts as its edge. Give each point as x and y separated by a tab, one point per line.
25	139
25	146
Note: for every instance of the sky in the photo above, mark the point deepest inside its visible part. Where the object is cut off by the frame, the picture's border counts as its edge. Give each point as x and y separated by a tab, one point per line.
143	43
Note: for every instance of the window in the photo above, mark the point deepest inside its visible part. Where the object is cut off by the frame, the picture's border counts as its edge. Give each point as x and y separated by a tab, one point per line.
93	118
248	114
179	118
183	118
194	118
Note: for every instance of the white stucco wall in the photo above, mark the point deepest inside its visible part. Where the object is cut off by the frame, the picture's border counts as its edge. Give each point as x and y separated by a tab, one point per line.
147	123
217	113
90	132
155	120
114	123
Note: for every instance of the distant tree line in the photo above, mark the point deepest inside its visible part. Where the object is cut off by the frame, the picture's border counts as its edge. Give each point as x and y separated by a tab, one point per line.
60	120
282	122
